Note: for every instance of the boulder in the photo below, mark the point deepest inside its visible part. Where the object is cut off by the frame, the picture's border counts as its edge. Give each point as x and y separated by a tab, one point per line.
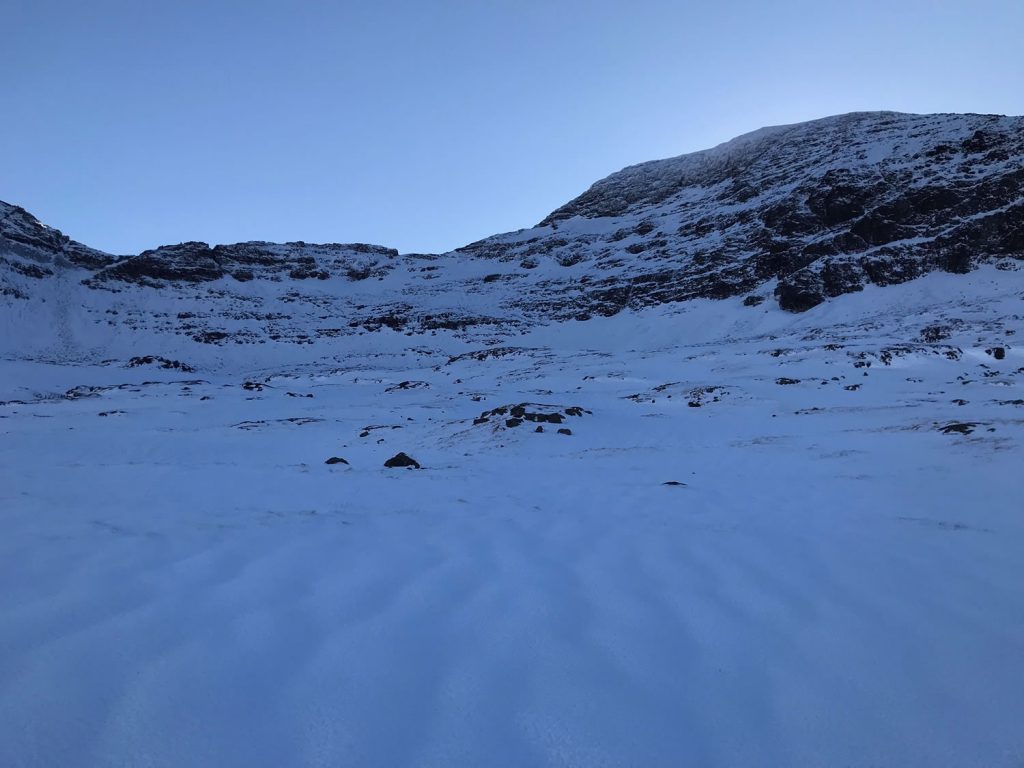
401	460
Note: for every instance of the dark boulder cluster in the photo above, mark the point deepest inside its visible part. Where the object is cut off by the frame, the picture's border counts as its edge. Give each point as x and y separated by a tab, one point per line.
161	362
398	461
514	415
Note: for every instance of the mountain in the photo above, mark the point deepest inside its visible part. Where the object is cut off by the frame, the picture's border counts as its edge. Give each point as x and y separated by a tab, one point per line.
718	465
794	214
824	207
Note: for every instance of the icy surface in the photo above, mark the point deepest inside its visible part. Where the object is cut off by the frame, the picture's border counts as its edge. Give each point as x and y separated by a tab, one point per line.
835	579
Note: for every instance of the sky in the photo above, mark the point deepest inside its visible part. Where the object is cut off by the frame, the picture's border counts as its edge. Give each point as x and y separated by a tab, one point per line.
427	125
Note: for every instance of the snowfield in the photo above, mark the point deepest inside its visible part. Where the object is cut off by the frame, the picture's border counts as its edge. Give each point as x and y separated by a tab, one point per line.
769	540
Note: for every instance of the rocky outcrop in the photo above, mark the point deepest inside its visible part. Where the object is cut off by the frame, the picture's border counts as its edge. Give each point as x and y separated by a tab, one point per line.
27	242
195	262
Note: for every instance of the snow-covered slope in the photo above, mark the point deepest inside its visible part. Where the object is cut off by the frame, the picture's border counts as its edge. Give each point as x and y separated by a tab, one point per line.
694	529
770	539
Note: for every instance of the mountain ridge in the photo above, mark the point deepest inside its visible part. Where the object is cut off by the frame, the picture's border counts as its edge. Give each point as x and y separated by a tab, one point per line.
800	213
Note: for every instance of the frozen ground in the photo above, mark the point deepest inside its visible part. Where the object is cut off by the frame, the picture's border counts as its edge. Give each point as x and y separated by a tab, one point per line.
838	579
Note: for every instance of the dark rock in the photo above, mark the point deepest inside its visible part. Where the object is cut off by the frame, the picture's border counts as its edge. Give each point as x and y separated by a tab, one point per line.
210	337
522	412
785	380
674	482
997	352
565	431
336	460
190	262
401	460
163	362
839	277
409	385
539	429
549	418
980	141
800	292
959	428
840	197
875	229
934	333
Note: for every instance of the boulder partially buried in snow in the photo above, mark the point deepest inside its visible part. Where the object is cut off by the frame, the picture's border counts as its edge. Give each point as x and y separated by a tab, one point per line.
402	460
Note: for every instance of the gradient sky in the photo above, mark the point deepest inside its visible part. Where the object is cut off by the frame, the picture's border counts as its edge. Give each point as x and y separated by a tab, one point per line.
426	125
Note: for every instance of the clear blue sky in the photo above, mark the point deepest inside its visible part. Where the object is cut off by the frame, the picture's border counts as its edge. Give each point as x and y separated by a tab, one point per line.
426	125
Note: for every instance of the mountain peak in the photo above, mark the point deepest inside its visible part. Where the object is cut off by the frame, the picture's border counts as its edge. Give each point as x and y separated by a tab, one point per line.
851	140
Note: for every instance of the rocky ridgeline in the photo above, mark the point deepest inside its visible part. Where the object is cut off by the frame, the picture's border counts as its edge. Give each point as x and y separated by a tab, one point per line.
796	214
25	242
195	262
30	251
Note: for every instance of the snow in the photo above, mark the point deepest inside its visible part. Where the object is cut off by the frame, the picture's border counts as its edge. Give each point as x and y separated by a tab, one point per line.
836	581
